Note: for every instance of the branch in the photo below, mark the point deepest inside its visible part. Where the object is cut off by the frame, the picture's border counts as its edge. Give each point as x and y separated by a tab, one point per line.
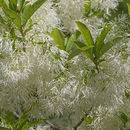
52	125
81	121
24	47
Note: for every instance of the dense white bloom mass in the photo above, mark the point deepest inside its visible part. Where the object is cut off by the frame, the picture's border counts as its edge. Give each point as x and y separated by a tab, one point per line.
105	5
70	11
63	90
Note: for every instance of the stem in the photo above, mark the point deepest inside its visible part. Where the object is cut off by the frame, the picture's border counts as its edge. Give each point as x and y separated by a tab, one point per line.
81	121
52	125
24	48
97	68
96	64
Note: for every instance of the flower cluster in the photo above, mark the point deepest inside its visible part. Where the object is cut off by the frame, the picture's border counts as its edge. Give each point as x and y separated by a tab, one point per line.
63	90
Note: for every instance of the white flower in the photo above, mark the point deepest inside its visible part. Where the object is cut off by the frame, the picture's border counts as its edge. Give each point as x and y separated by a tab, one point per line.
104	5
64	90
69	11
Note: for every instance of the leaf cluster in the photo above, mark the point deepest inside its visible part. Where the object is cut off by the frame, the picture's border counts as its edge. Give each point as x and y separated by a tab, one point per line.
98	47
19	11
65	43
22	123
94	50
124	118
17	14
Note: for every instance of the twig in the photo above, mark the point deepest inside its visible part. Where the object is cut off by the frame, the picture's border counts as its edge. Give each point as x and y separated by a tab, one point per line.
96	64
81	121
52	125
24	48
16	115
97	68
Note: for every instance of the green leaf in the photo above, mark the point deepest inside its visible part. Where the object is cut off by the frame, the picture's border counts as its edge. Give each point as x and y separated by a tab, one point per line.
95	14
66	41
86	34
41	43
20	4
9	119
87	6
123	118
108	45
26	2
127	95
74	53
17	22
71	40
58	38
88	120
100	39
81	46
1	57
88	54
2	21
10	13
29	10
128	4
3	128
4	3
33	123
29	28
12	32
25	14
23	119
13	4
85	49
